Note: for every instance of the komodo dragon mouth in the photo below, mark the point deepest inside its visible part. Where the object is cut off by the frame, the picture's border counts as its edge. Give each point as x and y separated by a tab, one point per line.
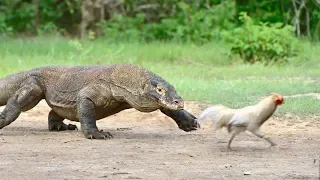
176	104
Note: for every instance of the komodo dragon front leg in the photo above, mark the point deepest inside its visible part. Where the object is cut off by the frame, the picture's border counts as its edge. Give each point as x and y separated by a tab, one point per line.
25	98
88	99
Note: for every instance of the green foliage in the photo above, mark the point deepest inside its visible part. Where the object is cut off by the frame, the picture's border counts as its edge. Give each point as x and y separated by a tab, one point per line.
48	28
265	36
186	20
262	42
199	26
186	25
121	27
5	29
266	11
19	16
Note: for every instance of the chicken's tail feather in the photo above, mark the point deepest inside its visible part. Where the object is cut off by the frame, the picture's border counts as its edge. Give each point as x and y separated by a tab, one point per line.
209	113
222	121
217	114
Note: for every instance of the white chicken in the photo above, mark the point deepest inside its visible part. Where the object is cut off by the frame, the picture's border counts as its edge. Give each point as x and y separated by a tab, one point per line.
239	120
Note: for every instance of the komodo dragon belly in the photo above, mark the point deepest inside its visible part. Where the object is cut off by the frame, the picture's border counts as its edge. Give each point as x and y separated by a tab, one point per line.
70	111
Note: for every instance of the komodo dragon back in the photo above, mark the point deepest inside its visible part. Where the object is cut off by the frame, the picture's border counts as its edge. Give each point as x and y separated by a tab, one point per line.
130	77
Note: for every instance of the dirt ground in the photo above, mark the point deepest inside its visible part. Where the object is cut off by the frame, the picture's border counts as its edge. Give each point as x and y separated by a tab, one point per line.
150	146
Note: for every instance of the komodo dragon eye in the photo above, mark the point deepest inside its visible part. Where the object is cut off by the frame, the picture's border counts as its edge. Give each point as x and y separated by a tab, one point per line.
161	90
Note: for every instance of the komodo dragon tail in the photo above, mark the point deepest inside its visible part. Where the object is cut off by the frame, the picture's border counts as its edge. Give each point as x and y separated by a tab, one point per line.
10	84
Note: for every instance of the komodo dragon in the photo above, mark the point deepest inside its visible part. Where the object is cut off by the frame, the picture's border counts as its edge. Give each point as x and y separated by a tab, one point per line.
90	93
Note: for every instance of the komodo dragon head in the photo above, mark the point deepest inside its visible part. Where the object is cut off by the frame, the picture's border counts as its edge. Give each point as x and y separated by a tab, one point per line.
164	94
172	104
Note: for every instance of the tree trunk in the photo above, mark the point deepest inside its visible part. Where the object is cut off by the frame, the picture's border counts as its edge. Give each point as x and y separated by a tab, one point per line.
308	23
102	10
316	31
37	14
87	16
297	15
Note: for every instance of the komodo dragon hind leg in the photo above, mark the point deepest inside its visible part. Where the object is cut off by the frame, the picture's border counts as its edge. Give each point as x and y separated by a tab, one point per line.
55	123
27	97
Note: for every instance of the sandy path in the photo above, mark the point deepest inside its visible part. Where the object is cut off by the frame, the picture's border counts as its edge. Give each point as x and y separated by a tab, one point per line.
150	146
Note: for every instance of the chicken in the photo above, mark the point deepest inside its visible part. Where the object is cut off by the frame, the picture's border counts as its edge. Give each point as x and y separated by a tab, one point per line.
239	120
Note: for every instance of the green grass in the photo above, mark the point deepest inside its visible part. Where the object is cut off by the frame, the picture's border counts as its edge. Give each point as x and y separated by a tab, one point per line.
202	73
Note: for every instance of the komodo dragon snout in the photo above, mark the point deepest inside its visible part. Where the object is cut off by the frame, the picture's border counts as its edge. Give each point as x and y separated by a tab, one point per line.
165	94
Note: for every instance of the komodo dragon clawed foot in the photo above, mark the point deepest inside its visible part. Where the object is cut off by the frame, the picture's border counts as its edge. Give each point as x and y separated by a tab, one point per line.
60	126
98	135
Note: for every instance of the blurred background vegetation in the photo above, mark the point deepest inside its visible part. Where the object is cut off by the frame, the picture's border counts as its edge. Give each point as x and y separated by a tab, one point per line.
225	51
258	30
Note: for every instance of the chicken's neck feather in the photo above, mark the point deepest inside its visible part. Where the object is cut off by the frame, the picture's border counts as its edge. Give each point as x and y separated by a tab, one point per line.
266	108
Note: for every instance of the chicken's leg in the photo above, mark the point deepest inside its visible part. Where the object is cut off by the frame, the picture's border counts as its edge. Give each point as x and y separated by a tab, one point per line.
260	135
230	141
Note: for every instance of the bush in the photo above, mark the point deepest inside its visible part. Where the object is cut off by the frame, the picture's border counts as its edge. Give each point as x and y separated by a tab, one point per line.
5	29
196	25
122	27
187	24
264	42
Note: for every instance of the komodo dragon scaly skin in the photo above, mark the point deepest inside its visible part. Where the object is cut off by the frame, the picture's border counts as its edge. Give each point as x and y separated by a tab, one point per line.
90	93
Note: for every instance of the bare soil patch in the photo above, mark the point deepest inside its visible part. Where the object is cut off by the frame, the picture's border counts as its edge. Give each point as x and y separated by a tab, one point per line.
150	146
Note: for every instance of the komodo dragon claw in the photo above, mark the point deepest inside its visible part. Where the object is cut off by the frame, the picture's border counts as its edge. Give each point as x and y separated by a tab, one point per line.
100	135
60	126
72	127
